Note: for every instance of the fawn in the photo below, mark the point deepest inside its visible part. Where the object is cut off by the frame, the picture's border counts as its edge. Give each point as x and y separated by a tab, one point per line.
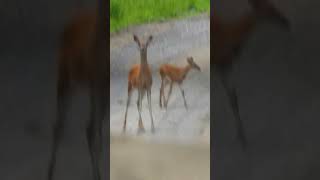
173	74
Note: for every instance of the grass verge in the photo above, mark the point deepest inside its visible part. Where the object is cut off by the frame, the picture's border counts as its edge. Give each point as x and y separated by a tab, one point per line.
124	13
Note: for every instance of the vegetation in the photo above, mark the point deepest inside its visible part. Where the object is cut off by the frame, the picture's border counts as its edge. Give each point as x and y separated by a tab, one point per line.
124	13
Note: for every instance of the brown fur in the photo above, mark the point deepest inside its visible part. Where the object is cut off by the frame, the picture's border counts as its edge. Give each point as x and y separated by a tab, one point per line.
140	78
174	74
133	77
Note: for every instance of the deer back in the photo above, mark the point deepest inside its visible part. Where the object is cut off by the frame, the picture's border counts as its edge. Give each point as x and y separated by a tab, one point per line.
77	44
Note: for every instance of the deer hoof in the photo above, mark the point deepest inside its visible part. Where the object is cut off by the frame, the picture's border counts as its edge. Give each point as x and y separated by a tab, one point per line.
153	130
141	131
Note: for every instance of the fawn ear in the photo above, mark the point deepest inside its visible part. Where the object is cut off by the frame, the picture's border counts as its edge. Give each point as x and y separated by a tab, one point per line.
149	40
136	39
190	59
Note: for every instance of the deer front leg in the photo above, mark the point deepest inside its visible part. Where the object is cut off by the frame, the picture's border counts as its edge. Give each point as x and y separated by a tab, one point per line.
169	94
184	98
139	105
125	117
150	109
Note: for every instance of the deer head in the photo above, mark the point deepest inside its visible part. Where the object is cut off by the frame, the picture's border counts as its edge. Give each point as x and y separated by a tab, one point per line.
142	45
192	64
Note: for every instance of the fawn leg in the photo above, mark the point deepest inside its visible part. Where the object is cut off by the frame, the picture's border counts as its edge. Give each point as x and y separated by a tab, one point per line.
161	93
169	94
184	98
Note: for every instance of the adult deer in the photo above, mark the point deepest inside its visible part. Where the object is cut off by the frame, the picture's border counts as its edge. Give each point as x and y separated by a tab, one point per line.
83	63
175	75
228	40
140	78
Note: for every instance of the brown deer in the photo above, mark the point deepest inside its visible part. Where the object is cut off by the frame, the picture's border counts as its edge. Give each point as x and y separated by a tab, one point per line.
228	40
172	74
83	63
140	78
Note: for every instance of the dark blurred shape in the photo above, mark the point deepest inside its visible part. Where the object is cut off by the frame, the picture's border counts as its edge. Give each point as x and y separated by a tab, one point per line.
83	61
33	128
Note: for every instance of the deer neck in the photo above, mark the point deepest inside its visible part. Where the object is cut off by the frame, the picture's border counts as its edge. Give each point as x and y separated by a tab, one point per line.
186	70
144	62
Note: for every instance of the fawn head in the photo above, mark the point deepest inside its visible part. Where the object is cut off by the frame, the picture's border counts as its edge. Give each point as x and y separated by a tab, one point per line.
142	45
193	64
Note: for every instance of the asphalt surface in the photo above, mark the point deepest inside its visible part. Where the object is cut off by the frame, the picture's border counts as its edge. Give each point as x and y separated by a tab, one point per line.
158	160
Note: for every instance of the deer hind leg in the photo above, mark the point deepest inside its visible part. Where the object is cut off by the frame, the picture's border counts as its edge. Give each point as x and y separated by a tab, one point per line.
184	98
139	105
150	109
169	94
63	91
128	103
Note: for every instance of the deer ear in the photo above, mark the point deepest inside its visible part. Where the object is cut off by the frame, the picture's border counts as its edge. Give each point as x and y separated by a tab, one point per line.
149	40
136	39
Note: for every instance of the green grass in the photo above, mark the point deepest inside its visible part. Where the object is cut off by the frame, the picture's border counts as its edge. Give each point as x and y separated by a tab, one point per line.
124	13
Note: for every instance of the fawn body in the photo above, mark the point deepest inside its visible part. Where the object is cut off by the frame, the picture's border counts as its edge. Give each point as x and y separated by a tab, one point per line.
173	74
140	78
228	40
83	62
